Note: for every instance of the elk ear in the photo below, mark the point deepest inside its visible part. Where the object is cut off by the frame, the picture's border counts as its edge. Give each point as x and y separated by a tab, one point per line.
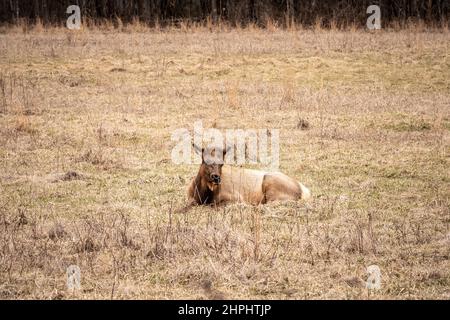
226	150
198	149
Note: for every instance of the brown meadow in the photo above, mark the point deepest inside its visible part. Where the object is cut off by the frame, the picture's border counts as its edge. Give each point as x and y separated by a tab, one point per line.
86	176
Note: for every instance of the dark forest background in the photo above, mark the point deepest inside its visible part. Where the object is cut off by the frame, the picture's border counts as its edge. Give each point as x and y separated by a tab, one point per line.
282	12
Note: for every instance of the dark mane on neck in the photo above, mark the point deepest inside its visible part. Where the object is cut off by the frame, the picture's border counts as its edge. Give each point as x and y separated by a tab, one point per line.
202	194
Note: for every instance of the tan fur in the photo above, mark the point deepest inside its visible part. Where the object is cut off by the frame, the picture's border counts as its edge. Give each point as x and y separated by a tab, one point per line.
247	186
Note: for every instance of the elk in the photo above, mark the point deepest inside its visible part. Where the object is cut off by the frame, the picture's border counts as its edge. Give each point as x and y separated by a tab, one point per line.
217	183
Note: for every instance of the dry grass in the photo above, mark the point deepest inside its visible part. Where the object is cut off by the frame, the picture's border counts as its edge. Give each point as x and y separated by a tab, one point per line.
86	176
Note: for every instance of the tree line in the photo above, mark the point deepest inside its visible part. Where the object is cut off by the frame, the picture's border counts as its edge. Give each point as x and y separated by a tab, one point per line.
242	12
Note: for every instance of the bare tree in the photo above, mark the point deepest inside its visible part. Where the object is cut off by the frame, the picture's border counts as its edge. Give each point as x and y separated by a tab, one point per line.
305	12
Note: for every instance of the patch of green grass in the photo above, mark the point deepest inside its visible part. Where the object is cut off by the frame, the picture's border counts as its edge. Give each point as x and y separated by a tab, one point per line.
409	125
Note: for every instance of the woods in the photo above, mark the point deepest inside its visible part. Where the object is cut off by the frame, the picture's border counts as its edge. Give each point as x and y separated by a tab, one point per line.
340	13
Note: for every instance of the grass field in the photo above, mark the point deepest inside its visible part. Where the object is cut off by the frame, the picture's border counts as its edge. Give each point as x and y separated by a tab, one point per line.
86	174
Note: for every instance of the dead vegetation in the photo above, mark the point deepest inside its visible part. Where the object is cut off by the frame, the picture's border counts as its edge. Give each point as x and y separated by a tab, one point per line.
86	176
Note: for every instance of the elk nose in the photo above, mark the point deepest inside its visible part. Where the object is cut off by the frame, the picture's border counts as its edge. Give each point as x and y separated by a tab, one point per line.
215	178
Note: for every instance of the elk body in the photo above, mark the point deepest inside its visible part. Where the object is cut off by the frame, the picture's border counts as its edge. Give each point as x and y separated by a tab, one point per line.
216	183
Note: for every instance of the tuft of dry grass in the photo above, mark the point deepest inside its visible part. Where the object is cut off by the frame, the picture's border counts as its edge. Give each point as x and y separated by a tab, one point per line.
86	177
